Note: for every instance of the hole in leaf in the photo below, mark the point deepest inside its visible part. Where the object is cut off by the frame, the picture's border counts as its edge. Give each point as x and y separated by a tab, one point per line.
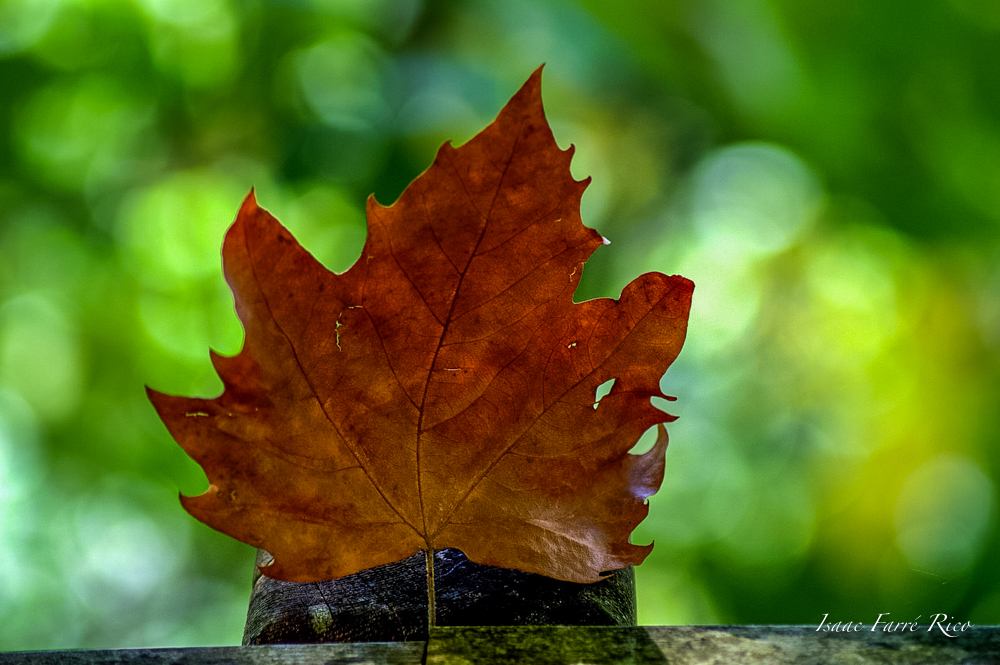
603	390
645	442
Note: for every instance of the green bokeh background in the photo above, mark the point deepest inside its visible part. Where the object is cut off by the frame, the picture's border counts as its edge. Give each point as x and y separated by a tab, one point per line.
828	173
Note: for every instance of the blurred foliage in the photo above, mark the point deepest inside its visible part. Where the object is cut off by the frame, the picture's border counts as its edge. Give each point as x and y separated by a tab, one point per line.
827	173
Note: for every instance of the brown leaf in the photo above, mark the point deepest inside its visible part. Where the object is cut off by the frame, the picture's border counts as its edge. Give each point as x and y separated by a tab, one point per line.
440	393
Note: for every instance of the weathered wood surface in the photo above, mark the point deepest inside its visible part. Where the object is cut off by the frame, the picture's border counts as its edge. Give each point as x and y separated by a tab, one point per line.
391	653
702	645
558	645
390	602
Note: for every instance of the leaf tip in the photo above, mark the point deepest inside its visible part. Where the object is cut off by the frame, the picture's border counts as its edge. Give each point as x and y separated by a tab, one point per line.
155	397
532	88
249	203
372	205
186	500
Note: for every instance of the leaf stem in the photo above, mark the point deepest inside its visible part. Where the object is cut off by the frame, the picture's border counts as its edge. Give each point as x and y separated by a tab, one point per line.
431	611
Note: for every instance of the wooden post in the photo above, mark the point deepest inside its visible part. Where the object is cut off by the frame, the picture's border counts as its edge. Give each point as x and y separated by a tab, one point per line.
389	603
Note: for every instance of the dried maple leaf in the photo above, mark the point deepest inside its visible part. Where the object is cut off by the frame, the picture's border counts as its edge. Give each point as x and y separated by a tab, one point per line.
440	393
